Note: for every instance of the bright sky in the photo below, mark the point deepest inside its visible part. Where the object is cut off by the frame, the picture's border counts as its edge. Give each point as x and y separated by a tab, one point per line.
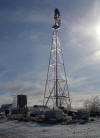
25	39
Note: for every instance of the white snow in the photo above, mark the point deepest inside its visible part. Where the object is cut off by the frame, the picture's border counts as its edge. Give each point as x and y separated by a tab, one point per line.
16	129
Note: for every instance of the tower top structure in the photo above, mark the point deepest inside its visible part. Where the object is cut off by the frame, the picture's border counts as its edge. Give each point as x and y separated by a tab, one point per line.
57	19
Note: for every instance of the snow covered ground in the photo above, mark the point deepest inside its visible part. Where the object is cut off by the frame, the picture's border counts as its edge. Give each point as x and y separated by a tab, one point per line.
16	129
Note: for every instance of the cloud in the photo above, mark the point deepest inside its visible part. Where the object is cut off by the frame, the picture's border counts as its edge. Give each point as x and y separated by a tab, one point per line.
96	56
77	81
33	91
81	39
5	99
81	42
78	99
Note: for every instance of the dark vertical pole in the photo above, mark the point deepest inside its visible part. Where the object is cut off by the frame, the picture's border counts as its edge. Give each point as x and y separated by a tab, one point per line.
56	70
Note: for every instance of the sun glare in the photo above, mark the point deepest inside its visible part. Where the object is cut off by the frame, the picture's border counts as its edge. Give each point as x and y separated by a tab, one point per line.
98	30
97	55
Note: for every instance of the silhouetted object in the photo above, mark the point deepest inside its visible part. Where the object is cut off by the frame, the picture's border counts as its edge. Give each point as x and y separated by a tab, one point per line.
57	19
6	112
57	14
6	108
22	103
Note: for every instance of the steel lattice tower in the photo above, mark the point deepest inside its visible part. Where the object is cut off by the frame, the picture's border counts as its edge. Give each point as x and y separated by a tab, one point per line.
56	88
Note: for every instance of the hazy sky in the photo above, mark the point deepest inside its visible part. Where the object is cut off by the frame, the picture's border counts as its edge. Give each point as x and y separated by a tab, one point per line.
25	39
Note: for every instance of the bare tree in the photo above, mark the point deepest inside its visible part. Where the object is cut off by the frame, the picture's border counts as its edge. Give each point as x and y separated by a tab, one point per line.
92	105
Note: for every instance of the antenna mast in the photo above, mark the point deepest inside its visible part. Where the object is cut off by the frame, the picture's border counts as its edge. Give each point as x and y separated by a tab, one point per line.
56	88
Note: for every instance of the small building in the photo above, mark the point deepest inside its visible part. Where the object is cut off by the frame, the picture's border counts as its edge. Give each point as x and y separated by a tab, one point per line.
6	108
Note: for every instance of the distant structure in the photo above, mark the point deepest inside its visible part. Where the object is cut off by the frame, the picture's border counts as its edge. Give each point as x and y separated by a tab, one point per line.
19	104
56	88
6	108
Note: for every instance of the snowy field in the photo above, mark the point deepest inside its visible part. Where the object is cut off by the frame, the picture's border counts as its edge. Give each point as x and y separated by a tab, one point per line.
15	129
